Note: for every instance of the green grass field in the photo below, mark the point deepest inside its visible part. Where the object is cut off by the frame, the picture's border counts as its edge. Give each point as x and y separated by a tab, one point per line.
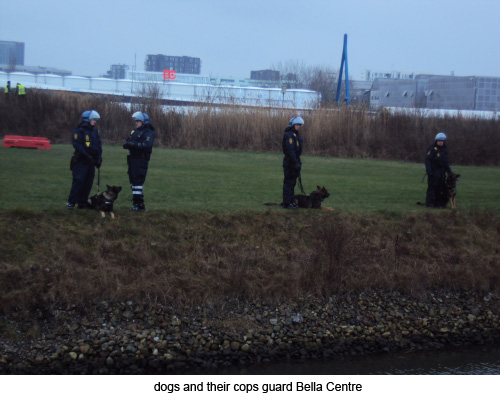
198	180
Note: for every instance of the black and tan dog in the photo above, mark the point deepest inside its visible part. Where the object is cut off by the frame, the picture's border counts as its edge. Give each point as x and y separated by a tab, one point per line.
447	192
104	202
312	200
451	188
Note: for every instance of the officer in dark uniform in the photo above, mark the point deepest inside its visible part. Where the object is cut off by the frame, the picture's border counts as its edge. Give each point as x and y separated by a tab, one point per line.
140	146
436	166
292	149
87	156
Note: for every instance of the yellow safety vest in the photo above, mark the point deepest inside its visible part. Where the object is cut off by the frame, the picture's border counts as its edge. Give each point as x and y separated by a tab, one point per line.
21	90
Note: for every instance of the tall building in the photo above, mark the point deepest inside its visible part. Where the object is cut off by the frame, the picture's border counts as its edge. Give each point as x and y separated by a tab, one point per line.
118	71
11	53
181	64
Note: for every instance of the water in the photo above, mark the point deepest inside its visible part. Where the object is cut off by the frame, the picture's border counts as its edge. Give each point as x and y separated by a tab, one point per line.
484	360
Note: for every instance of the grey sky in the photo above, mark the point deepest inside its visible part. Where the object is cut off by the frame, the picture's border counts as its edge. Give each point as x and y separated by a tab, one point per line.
234	37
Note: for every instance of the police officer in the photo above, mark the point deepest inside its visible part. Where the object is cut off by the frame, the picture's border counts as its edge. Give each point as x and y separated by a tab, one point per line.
292	149
87	156
436	167
140	146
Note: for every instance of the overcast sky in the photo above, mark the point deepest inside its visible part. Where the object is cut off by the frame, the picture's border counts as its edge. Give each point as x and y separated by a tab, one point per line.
233	37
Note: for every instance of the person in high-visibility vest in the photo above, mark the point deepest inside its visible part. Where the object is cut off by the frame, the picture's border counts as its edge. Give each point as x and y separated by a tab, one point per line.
21	91
6	88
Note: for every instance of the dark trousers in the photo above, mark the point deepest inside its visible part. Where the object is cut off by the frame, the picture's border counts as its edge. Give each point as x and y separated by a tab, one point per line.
137	171
289	182
435	196
83	179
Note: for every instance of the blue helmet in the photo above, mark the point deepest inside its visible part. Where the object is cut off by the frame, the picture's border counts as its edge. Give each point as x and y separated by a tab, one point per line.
90	114
140	116
440	136
296	121
85	116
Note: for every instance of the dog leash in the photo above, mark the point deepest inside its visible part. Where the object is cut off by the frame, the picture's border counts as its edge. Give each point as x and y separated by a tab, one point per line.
300	185
98	180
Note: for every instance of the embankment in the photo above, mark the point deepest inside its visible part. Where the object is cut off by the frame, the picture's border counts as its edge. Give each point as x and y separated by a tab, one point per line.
169	291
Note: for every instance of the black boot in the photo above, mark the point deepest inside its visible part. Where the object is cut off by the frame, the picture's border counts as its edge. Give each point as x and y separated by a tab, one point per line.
138	203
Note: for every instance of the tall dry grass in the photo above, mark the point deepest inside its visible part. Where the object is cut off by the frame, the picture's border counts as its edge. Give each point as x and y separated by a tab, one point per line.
340	132
186	259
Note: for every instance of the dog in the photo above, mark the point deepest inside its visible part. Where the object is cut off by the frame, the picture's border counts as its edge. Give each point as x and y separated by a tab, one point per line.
451	189
448	192
104	202
312	200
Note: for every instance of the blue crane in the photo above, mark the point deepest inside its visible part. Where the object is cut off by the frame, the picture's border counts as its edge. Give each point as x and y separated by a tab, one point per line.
344	60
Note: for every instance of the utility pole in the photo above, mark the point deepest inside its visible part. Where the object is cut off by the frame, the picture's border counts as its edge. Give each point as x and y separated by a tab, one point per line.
339	85
283	91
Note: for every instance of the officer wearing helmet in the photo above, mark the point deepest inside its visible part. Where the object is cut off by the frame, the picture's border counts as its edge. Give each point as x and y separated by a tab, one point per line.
436	167
88	155
140	146
292	149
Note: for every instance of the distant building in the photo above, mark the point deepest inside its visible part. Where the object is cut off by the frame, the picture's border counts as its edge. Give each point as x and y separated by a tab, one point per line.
11	53
265	75
35	70
390	92
438	92
360	92
118	71
182	65
371	75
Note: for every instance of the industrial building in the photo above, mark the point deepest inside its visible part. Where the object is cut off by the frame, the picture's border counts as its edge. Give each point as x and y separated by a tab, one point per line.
437	92
182	65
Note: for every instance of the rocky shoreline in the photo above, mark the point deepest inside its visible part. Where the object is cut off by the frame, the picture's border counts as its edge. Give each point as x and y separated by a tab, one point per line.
130	338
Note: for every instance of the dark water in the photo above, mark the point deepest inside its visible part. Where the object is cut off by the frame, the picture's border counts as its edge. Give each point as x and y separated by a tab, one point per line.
469	361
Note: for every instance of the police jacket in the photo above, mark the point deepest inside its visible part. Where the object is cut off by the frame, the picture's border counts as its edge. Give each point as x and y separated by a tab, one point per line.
436	160
87	142
140	142
292	145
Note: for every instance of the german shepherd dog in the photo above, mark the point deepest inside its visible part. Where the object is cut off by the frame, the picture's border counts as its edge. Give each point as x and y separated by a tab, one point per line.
312	200
104	202
448	192
451	188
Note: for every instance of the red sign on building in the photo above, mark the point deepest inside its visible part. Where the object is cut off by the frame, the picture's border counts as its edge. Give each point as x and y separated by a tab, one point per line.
169	74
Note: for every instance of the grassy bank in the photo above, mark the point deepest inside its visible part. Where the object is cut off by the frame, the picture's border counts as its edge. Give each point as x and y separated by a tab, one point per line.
52	259
341	132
